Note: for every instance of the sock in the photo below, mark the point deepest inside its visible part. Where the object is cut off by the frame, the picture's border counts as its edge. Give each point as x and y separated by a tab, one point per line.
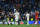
37	23
16	23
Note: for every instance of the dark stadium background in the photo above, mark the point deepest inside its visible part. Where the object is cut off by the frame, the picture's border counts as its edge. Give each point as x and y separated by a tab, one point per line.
22	6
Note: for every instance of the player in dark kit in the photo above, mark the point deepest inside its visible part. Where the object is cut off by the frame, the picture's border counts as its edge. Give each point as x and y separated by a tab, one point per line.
2	17
36	17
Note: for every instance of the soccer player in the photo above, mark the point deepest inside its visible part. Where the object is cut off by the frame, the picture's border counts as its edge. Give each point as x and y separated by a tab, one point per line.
16	17
2	18
36	17
27	15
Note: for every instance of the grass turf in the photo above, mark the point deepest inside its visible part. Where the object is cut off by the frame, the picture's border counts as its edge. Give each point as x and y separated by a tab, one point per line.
22	25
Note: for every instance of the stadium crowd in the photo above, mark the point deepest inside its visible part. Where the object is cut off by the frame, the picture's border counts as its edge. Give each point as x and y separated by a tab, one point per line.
8	8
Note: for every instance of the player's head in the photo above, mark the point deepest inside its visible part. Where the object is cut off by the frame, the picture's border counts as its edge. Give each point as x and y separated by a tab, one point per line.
9	12
37	11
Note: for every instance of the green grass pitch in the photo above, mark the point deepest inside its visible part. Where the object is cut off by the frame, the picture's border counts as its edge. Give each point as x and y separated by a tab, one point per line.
22	25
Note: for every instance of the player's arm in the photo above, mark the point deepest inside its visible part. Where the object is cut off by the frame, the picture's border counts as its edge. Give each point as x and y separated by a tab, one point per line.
13	15
35	11
38	12
26	15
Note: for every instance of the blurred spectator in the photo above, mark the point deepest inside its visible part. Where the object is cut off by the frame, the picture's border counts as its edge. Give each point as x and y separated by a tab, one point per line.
0	18
5	17
8	7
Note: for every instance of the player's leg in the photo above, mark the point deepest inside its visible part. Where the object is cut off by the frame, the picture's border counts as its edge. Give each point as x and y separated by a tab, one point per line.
3	22
11	22
37	21
8	22
27	21
16	20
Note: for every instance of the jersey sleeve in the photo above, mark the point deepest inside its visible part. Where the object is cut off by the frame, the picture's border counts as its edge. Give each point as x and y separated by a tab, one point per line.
26	14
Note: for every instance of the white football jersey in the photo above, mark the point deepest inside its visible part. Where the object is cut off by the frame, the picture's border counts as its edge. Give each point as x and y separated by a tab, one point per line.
27	15
16	14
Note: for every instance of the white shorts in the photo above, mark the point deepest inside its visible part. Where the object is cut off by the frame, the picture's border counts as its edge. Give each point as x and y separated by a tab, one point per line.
27	19
16	19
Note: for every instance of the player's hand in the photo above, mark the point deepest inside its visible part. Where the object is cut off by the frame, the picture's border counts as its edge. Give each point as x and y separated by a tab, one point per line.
38	12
